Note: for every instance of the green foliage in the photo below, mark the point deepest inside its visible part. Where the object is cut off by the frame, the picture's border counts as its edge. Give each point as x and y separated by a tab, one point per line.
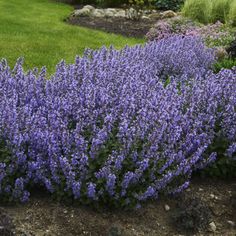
225	63
206	11
231	49
224	167
220	10
141	3
199	10
169	4
221	37
111	3
118	3
4	152
232	13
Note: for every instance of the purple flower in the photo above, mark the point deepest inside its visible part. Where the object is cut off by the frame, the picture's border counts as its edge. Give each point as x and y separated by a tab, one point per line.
116	126
91	191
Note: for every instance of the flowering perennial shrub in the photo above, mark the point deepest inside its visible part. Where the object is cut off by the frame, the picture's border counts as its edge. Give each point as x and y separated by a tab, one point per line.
214	35
108	129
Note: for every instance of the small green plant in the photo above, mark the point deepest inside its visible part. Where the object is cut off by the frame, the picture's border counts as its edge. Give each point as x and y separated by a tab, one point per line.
225	63
199	10
224	166
4	151
191	215
220	10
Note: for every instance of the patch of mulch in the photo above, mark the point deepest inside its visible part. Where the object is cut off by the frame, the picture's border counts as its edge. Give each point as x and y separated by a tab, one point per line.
42	216
116	25
6	225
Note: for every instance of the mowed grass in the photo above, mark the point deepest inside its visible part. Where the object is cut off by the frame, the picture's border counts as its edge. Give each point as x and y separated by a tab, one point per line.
35	30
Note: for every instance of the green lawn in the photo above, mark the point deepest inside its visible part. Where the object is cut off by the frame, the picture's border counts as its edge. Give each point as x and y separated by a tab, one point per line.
35	30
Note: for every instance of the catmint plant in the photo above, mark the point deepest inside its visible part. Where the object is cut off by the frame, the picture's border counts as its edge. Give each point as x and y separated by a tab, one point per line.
118	127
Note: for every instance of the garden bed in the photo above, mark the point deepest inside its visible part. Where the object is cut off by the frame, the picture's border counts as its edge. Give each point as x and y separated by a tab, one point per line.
126	27
42	216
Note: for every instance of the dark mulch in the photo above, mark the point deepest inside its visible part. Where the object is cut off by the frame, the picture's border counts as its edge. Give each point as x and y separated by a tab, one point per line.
125	27
6	225
44	216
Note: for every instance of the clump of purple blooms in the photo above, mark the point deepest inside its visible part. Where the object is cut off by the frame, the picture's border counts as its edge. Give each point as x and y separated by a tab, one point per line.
110	128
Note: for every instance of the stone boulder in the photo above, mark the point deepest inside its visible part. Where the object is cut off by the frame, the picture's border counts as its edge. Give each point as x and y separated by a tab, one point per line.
168	14
120	13
110	12
85	11
155	16
98	13
221	53
130	13
82	12
89	7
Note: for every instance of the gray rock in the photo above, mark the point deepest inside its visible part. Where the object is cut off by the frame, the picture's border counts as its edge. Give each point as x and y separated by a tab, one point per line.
145	18
212	226
155	16
231	223
221	53
168	14
82	12
110	12
98	13
114	10
212	196
120	13
130	12
89	7
167	207
148	12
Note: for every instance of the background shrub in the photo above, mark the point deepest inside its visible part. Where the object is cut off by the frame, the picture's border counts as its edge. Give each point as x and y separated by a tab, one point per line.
168	4
83	2
111	3
199	10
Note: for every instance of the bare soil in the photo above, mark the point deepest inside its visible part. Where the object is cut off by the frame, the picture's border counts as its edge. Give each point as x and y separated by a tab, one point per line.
42	216
116	25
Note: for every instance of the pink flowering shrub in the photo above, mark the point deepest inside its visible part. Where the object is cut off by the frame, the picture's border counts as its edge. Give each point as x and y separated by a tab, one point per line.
213	35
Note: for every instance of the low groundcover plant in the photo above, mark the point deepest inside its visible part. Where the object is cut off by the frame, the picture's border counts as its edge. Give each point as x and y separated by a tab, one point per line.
117	127
214	35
